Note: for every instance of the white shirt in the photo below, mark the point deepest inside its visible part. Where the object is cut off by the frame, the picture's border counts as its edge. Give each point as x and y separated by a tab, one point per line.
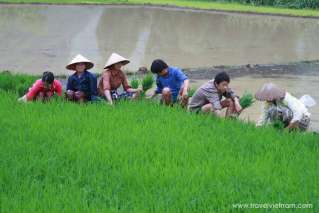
295	105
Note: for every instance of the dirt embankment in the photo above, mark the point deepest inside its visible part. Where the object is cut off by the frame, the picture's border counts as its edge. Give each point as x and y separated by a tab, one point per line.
300	68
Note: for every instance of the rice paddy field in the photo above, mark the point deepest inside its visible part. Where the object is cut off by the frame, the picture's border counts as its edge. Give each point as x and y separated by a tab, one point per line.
144	157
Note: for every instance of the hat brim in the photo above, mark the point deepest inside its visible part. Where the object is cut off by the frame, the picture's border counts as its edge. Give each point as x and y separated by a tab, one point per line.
124	62
274	95
88	65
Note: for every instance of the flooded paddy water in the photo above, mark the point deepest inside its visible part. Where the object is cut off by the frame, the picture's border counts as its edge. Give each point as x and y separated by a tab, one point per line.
39	37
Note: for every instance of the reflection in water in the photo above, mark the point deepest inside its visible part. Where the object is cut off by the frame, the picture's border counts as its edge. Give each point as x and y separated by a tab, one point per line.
87	34
139	51
296	85
40	37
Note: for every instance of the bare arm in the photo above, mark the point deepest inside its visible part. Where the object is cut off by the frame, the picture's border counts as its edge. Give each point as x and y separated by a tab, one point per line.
185	88
292	125
108	96
133	90
152	96
237	105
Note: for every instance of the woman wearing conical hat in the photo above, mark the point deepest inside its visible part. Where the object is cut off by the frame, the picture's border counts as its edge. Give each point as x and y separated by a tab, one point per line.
82	85
113	77
281	105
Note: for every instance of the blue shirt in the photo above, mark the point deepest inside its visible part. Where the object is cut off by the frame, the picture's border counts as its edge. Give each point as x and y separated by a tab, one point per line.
86	83
173	80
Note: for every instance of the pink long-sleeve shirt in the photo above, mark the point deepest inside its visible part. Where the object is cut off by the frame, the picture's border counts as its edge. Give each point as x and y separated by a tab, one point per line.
38	87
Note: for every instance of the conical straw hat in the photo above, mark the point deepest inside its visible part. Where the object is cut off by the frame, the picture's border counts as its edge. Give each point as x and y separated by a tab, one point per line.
79	59
270	92
114	59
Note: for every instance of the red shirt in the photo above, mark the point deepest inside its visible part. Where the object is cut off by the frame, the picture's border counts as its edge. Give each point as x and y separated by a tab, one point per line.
38	87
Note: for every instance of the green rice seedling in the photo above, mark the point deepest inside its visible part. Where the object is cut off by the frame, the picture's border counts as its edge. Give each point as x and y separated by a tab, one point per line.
147	82
278	124
191	92
18	83
135	83
246	100
172	160
70	157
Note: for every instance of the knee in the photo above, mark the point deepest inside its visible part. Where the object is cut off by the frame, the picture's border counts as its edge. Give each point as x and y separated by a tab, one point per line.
78	95
69	94
207	108
166	91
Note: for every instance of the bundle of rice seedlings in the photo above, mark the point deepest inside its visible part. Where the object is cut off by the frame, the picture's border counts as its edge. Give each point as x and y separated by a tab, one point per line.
278	124
135	83
246	100
147	82
191	92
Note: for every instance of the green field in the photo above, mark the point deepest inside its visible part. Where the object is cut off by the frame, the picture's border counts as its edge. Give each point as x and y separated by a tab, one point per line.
214	5
143	157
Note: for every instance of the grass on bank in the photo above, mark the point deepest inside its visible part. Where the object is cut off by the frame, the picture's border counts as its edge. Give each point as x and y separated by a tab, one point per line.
18	83
210	5
143	157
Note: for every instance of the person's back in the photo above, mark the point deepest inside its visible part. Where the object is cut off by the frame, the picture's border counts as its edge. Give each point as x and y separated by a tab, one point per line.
274	99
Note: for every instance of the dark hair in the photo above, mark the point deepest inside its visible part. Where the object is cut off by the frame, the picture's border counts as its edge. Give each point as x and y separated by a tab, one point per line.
220	77
48	77
158	65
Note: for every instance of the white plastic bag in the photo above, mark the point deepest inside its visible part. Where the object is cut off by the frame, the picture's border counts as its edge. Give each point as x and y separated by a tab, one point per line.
308	101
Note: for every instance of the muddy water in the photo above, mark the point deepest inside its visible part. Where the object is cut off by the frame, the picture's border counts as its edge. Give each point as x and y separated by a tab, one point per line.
296	85
40	37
